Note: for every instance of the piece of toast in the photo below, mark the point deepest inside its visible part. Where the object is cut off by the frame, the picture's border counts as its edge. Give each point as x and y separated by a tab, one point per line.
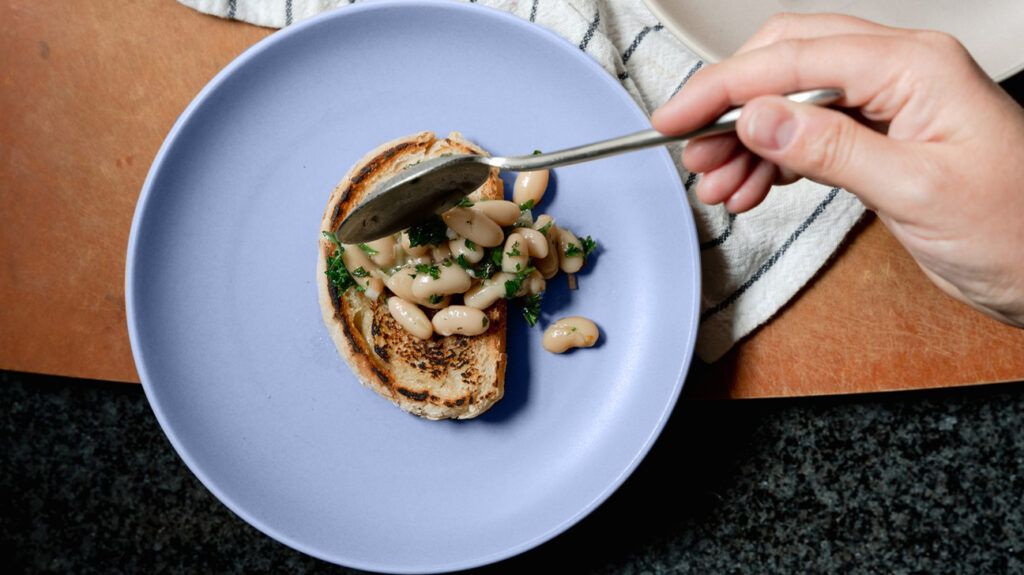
456	376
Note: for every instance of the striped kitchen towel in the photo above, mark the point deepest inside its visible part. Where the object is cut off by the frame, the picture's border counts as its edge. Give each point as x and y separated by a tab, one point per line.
752	263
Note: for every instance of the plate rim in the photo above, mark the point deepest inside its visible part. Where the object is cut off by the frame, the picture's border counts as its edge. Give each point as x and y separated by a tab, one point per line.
690	41
156	167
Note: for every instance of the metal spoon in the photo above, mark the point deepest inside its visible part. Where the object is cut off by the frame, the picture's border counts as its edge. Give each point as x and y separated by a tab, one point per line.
436	185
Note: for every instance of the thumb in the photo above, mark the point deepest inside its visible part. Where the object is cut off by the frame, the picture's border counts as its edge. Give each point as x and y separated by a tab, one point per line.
824	145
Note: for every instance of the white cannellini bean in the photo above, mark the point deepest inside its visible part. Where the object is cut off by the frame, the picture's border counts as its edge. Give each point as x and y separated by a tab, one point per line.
516	254
400	283
538	242
569	264
440	253
535	283
476	226
413	251
355	258
548	266
484	294
451	279
415	261
502	212
458	248
461	320
570	332
543	220
530	186
385	248
410	317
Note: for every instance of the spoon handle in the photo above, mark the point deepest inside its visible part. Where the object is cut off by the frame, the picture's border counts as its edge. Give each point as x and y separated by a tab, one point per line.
647	138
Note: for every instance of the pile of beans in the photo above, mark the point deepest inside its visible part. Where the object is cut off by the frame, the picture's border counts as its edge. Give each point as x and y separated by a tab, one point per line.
442	277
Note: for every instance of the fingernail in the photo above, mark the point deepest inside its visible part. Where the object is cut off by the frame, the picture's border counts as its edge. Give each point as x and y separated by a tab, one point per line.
772	126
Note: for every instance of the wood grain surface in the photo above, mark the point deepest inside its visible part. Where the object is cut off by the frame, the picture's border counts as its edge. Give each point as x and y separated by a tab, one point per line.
89	89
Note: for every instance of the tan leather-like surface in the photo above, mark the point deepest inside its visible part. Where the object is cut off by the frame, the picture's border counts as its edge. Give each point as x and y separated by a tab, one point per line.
89	89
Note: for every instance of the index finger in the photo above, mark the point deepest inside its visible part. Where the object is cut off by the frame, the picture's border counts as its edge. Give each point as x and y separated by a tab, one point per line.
788	26
865	67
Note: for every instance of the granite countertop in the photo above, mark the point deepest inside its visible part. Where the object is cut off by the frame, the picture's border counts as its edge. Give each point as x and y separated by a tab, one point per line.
918	481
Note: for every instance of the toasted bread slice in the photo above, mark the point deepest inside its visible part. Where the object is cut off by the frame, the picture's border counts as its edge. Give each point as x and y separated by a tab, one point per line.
445	377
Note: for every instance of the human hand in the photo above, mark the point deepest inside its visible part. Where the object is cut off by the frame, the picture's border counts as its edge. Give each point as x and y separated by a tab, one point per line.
940	163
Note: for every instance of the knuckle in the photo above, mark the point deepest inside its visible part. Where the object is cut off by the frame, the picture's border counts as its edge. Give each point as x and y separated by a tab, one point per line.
775	27
939	39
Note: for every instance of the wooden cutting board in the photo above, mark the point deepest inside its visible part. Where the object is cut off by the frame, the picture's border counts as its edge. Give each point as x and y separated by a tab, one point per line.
89	90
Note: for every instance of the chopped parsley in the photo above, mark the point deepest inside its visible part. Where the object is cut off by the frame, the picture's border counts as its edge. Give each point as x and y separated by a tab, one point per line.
334	239
368	250
470	245
515	250
463	262
464	203
432	271
544	229
537	152
336	272
513	285
446	263
487	267
589	245
531	308
359	272
484	321
431	231
435	299
527	205
586	246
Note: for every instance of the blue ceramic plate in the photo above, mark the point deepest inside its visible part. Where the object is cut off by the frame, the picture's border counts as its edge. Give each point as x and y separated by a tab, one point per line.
226	328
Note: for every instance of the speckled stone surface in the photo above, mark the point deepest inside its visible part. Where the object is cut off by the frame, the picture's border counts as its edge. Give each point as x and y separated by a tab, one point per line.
912	482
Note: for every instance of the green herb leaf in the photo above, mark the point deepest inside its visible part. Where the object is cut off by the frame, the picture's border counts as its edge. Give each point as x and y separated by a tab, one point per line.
589	245
433	271
336	271
573	250
537	152
515	250
463	262
368	250
431	231
496	257
470	245
544	229
359	272
527	205
434	299
464	203
331	236
484	321
513	285
531	308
